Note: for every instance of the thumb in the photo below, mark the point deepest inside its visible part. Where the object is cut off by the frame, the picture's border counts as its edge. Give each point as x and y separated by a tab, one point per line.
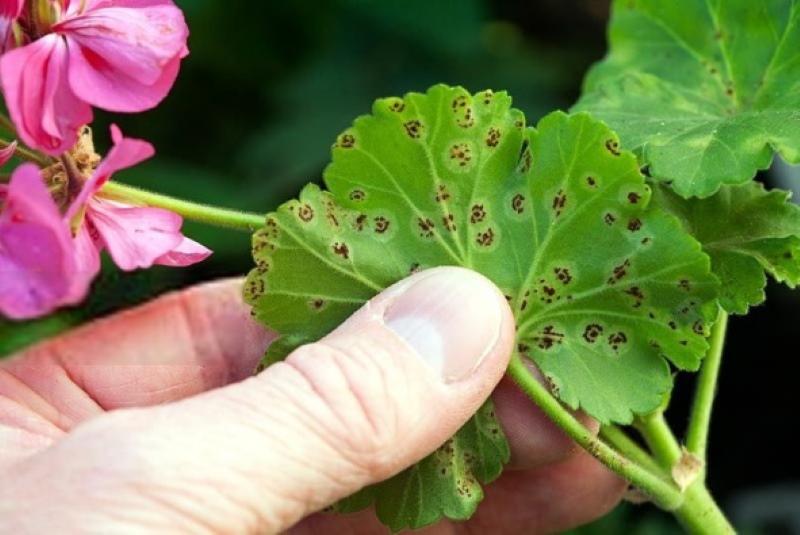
378	394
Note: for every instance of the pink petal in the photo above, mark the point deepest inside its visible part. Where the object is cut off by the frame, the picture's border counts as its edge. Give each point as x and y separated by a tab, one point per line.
11	8
36	249
43	107
187	252
9	11
7	153
135	237
125	153
125	59
87	264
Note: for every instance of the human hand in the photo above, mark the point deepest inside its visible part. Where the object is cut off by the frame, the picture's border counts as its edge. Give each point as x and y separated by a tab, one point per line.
150	422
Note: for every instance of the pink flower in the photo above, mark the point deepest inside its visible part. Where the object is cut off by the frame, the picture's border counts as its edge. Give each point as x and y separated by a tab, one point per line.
118	55
136	237
48	260
9	11
39	269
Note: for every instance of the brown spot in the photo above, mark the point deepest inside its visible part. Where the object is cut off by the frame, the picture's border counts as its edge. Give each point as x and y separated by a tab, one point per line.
634	225
518	203
317	304
685	285
673	325
341	249
591	181
559	202
519	124
426	227
448	222
477	214
459	102
526	161
563	275
637	294
549	337
413	129
619	272
461	153
381	224
414	268
612	146
698	328
523	348
485	238
634	197
645	241
357	195
592	332
305	213
547	293
609	218
330	214
617	339
360	222
487	96
397	106
493	138
255	287
442	194
347	141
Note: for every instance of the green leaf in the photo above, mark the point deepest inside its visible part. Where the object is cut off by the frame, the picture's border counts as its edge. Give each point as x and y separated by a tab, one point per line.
746	231
602	286
705	91
446	483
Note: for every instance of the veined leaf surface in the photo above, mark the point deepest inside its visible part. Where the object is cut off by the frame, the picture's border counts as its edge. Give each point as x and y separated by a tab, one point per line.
705	91
605	289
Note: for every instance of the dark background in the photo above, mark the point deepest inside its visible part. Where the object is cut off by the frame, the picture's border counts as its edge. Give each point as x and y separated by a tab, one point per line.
269	85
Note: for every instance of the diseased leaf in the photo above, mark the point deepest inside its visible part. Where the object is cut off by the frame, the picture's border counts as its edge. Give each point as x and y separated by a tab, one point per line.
446	483
705	91
603	286
746	231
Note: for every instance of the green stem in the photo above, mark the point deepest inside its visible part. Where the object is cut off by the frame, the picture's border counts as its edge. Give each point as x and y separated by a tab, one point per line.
660	439
27	154
664	494
700	514
699	422
202	213
624	444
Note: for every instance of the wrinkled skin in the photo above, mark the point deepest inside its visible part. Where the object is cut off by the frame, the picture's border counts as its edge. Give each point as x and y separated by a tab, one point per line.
107	427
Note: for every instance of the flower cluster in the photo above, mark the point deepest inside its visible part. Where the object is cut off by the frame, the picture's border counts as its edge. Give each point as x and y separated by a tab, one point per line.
59	59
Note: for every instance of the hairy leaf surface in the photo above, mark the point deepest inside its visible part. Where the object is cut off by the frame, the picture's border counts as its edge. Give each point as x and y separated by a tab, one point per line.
706	91
603	287
746	231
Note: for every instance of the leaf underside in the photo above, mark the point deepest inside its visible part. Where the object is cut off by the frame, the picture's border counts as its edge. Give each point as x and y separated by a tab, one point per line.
746	231
605	289
705	91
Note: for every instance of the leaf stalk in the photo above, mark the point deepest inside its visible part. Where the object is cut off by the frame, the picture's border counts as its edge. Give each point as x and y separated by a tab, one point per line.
202	213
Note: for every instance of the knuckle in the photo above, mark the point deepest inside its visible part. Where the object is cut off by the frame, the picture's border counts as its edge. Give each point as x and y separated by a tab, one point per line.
352	396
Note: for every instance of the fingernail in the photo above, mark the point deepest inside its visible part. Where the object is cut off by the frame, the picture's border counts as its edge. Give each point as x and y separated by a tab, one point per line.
451	318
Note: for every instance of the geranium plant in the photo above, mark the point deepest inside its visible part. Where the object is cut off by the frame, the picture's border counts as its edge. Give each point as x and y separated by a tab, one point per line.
623	232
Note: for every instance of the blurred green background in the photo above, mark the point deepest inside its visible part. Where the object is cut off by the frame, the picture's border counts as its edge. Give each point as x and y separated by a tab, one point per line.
269	85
